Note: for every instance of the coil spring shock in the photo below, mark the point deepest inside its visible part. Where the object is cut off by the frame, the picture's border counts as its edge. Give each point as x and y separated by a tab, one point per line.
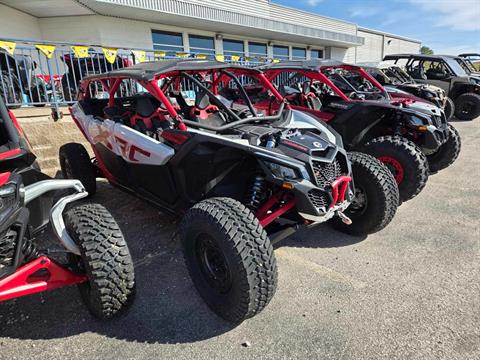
256	193
29	250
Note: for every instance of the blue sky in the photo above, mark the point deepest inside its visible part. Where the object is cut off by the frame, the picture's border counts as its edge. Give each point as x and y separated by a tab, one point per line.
446	26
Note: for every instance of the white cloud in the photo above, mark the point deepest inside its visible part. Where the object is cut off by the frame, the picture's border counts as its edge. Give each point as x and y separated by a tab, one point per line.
461	15
312	2
362	12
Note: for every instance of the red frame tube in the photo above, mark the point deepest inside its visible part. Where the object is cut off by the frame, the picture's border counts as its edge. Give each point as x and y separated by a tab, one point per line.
339	189
265	218
23	282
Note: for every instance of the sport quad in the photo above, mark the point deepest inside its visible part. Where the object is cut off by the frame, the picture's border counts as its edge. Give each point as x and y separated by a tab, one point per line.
242	174
400	85
92	252
447	72
411	142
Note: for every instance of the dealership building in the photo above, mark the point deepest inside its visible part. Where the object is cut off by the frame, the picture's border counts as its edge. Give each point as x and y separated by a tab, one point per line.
246	28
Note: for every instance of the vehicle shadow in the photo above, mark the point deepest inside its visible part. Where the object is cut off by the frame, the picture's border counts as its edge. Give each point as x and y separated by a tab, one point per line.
167	308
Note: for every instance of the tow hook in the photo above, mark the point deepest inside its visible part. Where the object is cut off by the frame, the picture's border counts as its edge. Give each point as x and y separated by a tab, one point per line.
345	219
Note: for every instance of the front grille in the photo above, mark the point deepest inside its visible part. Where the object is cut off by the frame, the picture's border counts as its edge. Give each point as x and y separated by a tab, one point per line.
319	199
7	248
326	173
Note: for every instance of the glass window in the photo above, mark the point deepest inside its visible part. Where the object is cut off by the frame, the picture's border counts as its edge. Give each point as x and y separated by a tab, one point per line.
169	42
233	47
316	54
299	53
201	44
257	49
280	52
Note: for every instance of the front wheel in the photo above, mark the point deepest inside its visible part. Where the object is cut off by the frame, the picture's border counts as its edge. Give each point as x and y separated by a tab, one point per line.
75	164
229	257
447	153
376	197
467	106
404	159
105	259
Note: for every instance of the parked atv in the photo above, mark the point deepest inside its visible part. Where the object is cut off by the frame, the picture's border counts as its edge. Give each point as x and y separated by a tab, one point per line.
17	78
400	85
243	173
400	137
446	73
79	68
93	253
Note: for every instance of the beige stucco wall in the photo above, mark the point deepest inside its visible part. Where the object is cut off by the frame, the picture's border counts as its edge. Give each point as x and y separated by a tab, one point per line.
16	24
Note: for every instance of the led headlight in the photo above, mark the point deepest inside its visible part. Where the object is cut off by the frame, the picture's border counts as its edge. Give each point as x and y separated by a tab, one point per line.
282	172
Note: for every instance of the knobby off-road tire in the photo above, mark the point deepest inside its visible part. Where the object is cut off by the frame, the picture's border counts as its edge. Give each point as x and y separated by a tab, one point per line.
376	200
447	153
75	164
105	258
405	160
467	106
449	109
229	257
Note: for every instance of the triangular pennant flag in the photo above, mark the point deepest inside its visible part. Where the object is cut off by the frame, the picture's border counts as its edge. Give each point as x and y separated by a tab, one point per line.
276	60
140	55
8	46
235	58
201	56
181	54
80	51
47	50
160	54
220	58
110	54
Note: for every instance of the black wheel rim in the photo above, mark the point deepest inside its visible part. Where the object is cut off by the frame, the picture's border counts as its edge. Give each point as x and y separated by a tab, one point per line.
360	202
467	107
213	264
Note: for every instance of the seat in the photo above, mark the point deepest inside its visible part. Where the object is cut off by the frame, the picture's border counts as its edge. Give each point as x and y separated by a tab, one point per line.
147	117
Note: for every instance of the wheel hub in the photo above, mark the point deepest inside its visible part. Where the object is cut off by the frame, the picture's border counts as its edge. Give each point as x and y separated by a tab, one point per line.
394	166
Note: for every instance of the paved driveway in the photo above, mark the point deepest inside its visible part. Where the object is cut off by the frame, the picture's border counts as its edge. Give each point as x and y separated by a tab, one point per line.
411	291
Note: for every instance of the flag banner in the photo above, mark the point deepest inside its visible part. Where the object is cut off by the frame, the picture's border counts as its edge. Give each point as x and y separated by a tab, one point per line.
47	50
80	51
181	54
8	46
235	58
110	54
140	55
276	60
160	54
201	56
220	58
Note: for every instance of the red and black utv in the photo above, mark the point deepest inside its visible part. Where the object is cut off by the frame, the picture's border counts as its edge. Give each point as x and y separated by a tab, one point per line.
93	253
243	171
409	142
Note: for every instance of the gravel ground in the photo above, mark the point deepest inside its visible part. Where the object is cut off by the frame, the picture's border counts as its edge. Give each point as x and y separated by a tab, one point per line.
411	291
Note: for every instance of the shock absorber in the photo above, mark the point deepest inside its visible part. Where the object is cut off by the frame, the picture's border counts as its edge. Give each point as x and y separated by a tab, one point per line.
256	193
29	250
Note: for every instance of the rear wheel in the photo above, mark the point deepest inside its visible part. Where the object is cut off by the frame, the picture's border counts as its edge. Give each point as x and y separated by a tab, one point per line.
376	196
467	106
404	159
75	164
229	258
447	153
105	259
449	109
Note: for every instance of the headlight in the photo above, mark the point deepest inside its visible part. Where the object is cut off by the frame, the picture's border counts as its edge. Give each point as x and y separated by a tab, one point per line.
417	121
282	172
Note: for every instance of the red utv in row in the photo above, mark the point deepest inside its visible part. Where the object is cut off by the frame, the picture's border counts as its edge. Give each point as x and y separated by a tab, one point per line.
92	252
410	138
243	169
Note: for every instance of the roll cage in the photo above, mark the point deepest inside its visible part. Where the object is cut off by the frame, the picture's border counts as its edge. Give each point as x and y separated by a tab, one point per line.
207	81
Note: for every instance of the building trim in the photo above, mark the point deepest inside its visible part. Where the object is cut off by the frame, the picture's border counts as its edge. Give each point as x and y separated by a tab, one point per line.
378	32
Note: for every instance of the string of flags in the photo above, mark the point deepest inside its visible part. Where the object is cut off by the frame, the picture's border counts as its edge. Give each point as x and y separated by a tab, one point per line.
82	51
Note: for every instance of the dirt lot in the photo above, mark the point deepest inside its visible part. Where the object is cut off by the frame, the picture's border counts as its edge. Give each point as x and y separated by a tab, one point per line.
411	291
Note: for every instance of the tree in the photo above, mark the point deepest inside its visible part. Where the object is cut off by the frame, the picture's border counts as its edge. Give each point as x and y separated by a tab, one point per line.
426	50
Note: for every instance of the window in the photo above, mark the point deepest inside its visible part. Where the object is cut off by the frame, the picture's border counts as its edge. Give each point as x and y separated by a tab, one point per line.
280	52
257	49
316	54
201	44
233	47
299	53
167	41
